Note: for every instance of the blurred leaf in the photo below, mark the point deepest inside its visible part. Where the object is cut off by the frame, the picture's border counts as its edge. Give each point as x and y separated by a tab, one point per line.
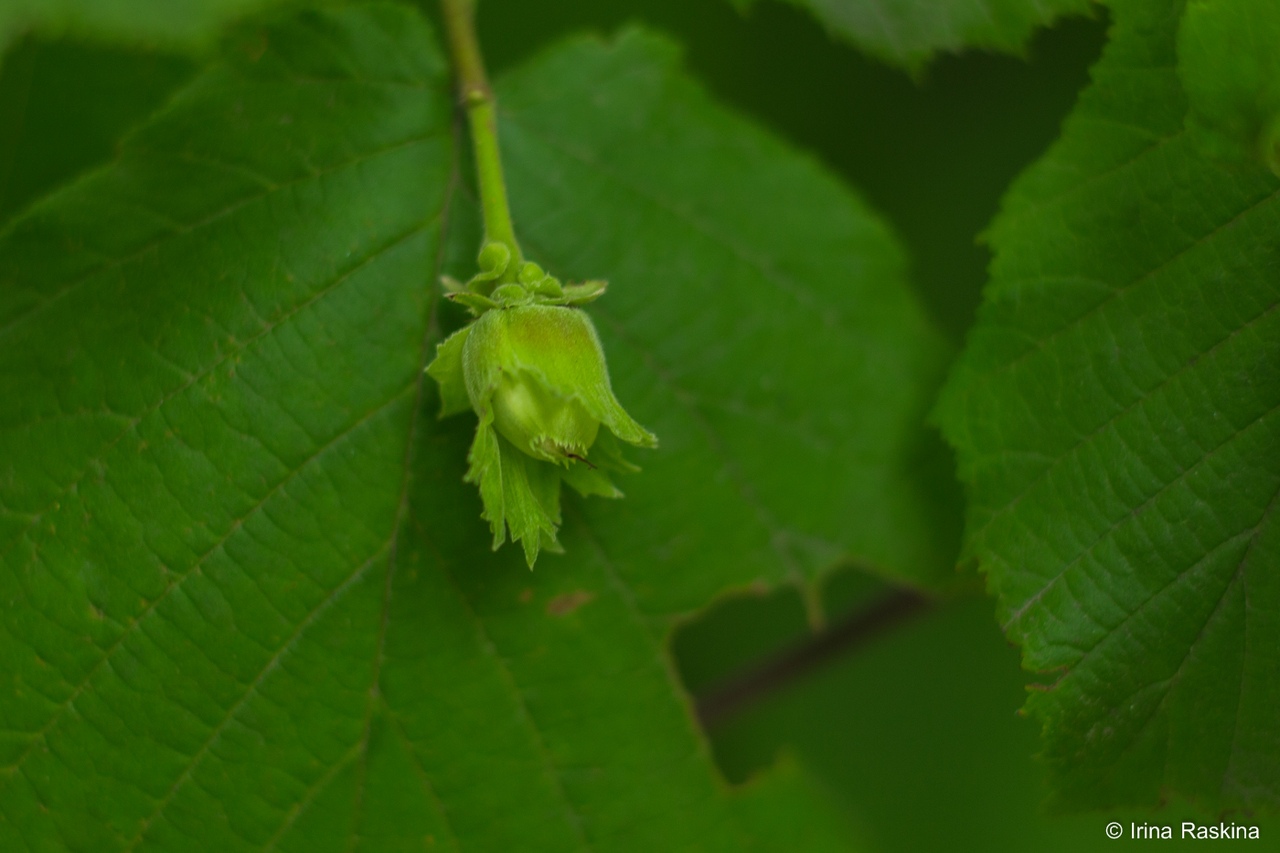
909	32
178	23
1117	419
64	108
770	804
1229	65
248	600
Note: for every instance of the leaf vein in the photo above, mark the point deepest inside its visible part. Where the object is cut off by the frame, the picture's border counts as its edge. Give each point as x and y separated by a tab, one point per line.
177	581
1143	398
266	330
1022	610
1043	342
323	605
209	219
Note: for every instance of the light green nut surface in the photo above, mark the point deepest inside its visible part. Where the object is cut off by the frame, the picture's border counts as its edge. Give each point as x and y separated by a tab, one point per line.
541	423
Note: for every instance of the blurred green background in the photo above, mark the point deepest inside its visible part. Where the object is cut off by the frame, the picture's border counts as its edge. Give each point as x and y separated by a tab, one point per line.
915	731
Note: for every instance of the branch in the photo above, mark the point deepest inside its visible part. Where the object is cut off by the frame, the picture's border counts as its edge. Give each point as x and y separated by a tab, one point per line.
755	683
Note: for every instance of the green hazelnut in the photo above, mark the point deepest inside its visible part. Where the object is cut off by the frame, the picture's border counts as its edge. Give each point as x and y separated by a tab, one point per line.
540	423
535	375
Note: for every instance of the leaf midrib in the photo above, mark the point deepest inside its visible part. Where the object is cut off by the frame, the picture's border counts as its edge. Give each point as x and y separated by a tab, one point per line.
402	515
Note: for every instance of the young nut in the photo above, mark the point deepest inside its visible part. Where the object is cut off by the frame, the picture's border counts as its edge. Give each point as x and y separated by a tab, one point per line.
536	377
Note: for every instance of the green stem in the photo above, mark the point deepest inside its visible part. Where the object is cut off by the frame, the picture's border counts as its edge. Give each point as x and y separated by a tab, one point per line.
477	99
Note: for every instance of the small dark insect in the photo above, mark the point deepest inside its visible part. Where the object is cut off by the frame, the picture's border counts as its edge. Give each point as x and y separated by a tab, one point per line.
584	460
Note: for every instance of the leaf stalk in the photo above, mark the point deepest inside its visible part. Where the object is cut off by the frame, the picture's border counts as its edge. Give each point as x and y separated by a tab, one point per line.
476	97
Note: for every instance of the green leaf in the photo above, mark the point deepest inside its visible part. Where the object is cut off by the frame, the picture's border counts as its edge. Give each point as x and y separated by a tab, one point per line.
64	107
1229	65
909	33
176	23
248	600
208	354
1117	417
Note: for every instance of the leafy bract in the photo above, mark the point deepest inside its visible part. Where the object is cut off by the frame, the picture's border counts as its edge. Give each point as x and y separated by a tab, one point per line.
179	23
249	602
1117	417
909	32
